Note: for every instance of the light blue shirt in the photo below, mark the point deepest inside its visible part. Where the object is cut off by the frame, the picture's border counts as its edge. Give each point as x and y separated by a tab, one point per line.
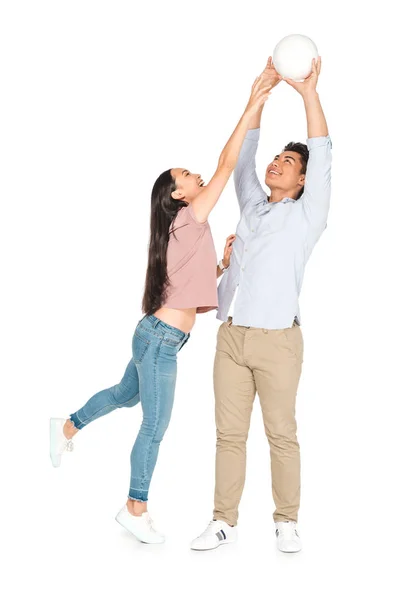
273	241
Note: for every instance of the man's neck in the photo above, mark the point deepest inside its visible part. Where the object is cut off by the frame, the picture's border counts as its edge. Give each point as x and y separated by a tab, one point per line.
279	195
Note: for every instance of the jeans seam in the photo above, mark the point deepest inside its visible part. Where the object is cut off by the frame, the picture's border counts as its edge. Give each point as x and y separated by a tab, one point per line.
130	399
157	416
135	499
142	338
80	422
152	332
144	352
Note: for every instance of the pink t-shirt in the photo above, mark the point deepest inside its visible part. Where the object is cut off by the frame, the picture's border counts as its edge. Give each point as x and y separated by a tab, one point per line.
192	264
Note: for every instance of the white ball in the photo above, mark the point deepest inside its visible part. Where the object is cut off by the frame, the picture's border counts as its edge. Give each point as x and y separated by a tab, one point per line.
293	56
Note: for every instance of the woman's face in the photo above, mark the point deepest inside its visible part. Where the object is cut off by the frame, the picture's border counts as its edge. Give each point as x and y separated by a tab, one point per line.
188	185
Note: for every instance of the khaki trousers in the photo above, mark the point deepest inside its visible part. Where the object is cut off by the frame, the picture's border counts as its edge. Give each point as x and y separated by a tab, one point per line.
266	361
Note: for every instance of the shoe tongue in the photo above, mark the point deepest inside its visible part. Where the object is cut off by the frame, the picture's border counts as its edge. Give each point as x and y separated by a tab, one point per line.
282	524
219	524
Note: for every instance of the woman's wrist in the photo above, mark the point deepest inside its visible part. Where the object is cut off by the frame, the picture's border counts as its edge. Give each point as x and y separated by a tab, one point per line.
222	265
249	111
248	114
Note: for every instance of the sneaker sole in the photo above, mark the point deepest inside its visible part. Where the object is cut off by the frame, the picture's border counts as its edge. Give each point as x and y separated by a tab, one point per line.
54	457
290	551
214	547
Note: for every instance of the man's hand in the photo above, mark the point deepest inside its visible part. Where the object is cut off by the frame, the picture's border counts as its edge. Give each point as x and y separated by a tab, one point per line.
309	85
316	122
226	261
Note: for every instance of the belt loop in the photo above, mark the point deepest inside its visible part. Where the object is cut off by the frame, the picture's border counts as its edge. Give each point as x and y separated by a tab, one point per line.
150	320
185	339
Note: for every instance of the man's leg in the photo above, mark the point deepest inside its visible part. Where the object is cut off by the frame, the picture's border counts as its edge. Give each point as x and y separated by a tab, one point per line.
277	357
234	396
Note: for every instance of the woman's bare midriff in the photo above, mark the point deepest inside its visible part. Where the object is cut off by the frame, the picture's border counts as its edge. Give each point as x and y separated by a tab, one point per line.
181	318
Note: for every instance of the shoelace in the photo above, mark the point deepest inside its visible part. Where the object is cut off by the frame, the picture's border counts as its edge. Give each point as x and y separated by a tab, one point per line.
287	530
69	446
150	523
210	528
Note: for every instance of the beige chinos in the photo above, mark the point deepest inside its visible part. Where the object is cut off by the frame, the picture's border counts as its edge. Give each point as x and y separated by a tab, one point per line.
266	361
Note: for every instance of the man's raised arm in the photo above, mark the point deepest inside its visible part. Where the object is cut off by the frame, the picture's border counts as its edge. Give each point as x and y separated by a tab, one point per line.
317	187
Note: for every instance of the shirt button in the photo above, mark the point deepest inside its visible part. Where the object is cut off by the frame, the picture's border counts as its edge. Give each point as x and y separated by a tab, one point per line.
245	249
252	230
242	268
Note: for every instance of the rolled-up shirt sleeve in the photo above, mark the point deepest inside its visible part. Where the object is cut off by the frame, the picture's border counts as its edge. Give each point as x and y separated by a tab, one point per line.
317	188
247	185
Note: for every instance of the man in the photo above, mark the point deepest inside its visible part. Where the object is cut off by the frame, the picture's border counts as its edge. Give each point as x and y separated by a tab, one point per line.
260	345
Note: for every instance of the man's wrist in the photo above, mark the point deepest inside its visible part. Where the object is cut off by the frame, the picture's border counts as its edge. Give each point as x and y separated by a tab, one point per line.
222	265
310	96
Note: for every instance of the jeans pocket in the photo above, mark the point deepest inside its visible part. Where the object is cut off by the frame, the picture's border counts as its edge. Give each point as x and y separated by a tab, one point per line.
139	347
169	352
171	340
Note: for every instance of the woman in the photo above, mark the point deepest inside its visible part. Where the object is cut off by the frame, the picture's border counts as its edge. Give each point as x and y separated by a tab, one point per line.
180	282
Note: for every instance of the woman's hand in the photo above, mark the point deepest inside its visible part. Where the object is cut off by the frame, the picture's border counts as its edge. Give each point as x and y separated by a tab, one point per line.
207	198
226	261
309	85
270	75
262	87
260	91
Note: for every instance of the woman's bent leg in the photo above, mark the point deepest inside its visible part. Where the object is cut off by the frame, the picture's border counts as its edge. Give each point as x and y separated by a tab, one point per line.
125	393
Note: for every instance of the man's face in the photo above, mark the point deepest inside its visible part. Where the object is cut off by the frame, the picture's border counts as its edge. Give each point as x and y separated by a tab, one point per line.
284	172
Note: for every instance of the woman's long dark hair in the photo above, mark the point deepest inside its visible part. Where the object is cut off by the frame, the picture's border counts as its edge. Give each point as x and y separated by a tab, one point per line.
163	212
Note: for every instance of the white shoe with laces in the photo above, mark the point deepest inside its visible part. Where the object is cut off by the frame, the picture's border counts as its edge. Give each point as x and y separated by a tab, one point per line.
58	442
141	527
288	539
217	533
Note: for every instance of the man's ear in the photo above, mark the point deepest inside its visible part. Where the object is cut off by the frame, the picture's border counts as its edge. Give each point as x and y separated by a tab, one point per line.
177	195
302	180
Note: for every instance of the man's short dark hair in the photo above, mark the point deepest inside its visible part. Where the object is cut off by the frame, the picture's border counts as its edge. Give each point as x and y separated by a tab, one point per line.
300	149
304	154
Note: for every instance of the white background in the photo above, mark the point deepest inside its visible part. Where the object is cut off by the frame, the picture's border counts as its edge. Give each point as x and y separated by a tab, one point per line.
99	97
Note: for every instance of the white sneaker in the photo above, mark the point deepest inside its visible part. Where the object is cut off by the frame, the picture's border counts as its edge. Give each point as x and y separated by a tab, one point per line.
287	537
142	527
58	442
217	533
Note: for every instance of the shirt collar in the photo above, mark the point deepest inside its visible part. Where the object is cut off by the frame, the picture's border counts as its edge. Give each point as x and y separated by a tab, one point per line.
263	207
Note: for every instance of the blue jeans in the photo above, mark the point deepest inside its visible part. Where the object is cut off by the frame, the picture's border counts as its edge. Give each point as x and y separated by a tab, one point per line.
149	379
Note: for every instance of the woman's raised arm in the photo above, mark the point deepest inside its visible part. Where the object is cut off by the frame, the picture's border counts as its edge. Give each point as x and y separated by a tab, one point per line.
208	197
